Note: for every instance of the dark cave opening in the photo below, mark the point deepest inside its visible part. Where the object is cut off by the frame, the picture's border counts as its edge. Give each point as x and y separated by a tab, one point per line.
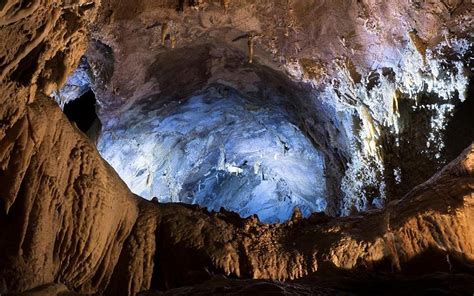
460	129
82	111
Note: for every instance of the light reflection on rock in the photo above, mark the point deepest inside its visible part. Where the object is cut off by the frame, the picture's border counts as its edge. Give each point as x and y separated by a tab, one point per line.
218	152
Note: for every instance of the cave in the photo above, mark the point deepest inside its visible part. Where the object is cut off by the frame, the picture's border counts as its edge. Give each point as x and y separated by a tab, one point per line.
220	152
228	147
81	111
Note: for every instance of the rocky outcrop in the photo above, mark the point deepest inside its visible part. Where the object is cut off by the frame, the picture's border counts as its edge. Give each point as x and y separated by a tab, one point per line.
68	218
41	43
65	213
432	219
47	168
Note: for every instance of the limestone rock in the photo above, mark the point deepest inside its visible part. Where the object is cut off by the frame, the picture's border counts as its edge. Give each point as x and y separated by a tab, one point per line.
69	225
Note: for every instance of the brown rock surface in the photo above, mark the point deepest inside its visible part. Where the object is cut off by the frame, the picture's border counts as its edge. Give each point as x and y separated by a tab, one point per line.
71	217
65	213
67	218
430	223
41	43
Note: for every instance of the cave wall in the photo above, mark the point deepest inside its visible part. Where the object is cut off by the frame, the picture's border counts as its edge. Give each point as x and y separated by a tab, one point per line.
41	44
228	139
67	218
55	188
73	221
65	213
366	69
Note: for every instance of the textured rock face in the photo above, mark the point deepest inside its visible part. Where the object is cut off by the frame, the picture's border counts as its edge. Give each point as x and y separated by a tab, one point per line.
421	223
55	188
41	43
68	223
218	151
217	73
378	82
79	225
65	213
220	148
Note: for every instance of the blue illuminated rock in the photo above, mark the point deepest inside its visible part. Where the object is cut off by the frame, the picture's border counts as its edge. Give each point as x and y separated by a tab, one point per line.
218	152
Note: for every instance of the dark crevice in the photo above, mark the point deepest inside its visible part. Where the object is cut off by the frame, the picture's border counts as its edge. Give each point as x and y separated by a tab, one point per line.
28	66
460	128
82	112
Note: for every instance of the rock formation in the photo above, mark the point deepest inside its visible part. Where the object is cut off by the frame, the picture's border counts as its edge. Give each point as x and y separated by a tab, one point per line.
69	225
373	86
